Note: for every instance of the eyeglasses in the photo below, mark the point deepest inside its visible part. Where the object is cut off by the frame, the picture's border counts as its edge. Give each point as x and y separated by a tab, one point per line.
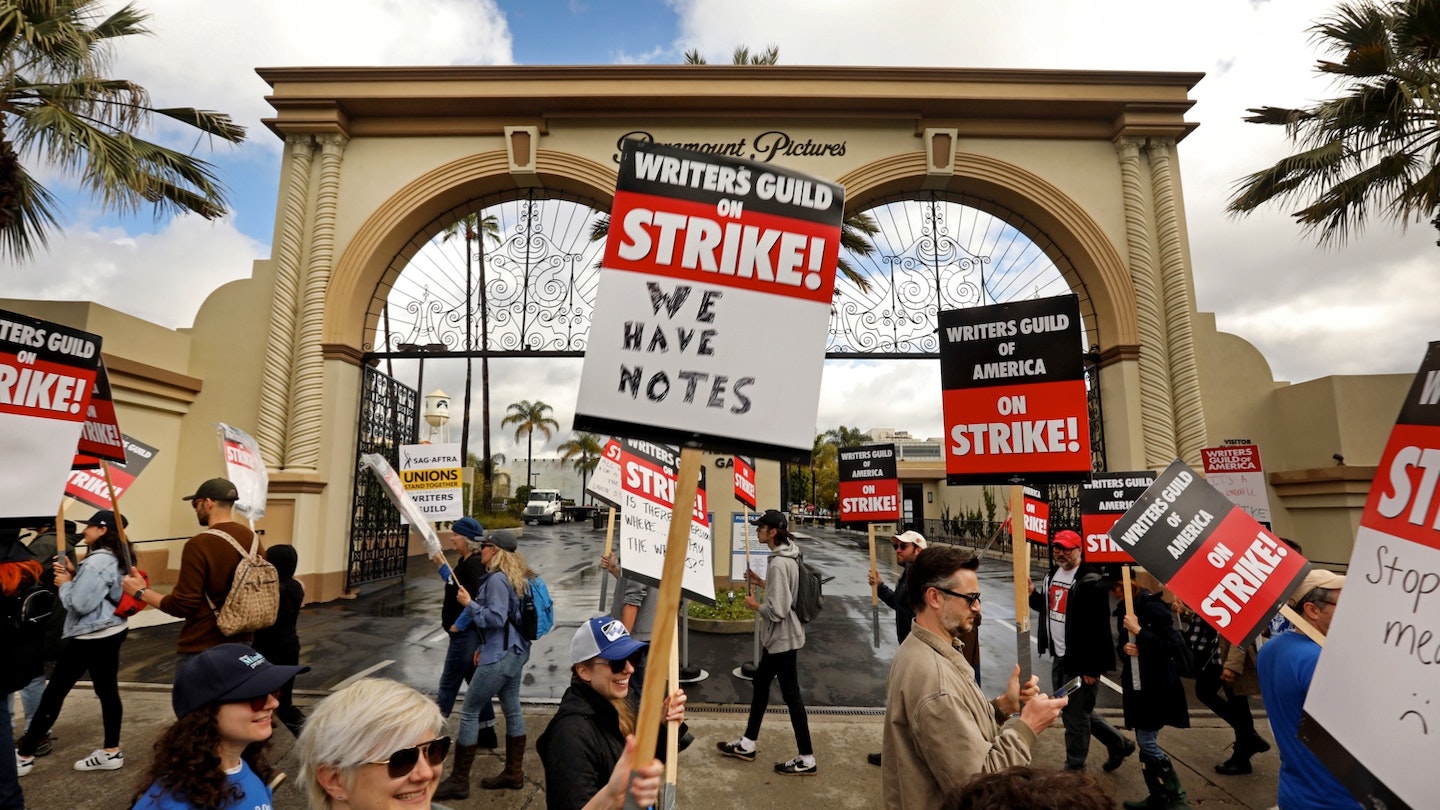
972	599
618	667
896	546
402	762
258	703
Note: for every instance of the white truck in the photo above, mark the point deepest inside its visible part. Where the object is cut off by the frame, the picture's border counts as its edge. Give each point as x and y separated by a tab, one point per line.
546	506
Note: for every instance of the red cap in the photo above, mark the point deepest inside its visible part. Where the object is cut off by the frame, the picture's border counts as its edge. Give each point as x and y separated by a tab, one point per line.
1067	539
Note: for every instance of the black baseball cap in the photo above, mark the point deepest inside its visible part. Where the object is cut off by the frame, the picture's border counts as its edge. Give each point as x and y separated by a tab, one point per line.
225	674
773	518
106	518
216	489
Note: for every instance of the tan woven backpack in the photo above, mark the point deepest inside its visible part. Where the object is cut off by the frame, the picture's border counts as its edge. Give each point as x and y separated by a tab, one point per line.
254	598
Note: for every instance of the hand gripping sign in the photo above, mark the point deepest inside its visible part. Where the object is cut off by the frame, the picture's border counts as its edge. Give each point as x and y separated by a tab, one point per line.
1231	570
1384	638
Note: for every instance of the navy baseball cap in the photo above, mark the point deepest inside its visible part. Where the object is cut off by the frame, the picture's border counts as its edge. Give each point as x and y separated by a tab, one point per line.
227	673
467	527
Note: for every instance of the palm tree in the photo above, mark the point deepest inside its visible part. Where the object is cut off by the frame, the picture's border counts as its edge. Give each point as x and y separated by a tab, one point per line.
473	227
58	106
583	451
486	476
741	56
846	436
528	417
1372	149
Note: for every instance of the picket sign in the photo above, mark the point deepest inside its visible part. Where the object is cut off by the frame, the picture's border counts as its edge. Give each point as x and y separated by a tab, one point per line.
1022	578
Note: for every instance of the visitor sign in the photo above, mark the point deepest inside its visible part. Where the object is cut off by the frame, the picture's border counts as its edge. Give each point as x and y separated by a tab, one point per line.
1013	392
711	264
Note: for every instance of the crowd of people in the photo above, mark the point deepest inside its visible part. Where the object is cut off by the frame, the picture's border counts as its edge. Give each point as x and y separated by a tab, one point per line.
377	742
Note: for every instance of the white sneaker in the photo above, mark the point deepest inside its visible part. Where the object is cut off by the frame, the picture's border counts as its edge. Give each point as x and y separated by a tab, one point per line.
23	765
101	760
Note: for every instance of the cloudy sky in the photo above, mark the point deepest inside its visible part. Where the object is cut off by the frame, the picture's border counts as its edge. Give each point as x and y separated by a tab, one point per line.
1365	308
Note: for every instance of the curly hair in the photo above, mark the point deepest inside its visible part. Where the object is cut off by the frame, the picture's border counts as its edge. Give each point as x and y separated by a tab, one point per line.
512	564
187	762
1024	788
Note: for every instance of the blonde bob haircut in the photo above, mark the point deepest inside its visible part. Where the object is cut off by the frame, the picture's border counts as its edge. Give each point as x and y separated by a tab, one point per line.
362	723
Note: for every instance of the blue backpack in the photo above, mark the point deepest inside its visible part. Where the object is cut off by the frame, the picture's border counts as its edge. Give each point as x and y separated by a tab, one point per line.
537	611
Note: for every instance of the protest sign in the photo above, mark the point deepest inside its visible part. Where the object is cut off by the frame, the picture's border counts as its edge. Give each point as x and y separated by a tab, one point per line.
1037	517
745	480
1385	632
1235	471
100	437
648	478
431	474
47	376
869	484
711	264
1103	499
246	469
88	487
1014	398
1231	570
410	512
604	483
759	557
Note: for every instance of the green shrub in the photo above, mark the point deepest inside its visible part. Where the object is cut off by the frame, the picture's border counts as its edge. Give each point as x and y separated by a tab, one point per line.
729	604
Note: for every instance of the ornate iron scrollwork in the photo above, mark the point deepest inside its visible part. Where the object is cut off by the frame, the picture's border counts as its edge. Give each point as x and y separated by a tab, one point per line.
379	543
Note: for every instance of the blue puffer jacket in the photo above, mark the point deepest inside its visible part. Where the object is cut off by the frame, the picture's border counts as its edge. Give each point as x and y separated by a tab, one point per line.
92	595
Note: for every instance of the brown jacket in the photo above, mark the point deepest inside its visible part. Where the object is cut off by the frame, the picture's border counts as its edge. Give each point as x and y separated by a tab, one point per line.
207	567
1241	661
939	729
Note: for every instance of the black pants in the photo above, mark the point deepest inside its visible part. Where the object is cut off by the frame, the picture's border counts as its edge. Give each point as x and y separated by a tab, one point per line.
1080	719
1232	708
781	665
101	658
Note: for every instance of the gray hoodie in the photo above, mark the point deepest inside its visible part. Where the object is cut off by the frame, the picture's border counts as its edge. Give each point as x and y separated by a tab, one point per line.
780	629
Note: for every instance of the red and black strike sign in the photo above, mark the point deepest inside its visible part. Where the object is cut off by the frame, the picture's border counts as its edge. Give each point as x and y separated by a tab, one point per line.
1213	555
1037	517
89	487
649	471
1103	499
1404	501
100	436
1013	381
869	484
745	480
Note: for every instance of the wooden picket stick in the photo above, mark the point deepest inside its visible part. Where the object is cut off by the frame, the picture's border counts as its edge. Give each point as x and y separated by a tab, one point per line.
652	699
1303	623
749	589
1130	611
609	549
672	736
1022	576
874	589
60	537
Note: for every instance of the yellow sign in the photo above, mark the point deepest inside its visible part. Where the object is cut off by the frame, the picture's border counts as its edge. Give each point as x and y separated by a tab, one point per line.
438	478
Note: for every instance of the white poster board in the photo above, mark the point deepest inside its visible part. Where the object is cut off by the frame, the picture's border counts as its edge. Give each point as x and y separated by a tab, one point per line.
431	474
1236	472
605	481
1384	638
648	480
409	511
759	552
245	469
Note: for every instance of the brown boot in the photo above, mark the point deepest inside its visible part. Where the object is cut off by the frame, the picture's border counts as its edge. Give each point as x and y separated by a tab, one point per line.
457	785
513	777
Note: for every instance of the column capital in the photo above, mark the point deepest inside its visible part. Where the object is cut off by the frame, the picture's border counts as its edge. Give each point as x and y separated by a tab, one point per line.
1129	147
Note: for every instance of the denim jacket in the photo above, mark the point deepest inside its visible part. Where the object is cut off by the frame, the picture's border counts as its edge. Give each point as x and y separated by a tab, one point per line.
92	595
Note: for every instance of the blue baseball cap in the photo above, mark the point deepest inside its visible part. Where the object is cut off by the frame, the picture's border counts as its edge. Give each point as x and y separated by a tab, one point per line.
468	527
603	637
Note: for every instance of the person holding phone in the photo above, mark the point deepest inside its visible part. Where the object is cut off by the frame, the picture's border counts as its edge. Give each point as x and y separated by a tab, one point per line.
1074	626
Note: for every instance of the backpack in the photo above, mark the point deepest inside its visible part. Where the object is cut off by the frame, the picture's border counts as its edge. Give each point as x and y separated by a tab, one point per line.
809	592
24	616
537	611
254	598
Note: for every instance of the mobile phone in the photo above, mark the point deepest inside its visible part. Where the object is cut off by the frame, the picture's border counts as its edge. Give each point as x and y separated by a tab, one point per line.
1069	686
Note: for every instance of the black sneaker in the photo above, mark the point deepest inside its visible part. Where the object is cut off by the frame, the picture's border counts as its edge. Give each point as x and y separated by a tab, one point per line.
796	767
46	746
1117	757
873	759
733	749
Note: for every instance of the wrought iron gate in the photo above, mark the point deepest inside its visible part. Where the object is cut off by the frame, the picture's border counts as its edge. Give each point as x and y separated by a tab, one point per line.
378	541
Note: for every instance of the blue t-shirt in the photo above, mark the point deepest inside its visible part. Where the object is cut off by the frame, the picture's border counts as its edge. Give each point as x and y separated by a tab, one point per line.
253	794
1286	664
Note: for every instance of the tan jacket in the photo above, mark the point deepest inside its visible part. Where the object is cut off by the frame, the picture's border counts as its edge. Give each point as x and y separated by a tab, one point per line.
1241	661
939	729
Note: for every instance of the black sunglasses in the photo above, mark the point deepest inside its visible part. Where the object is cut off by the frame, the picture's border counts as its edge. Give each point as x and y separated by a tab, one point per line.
402	762
618	667
258	703
972	599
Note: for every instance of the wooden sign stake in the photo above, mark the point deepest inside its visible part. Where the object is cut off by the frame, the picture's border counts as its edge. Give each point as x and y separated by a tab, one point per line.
1022	576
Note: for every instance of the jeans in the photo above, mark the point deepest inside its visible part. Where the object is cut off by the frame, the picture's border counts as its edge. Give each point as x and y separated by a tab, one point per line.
500	678
30	698
101	658
780	665
1149	742
11	797
1080	719
460	666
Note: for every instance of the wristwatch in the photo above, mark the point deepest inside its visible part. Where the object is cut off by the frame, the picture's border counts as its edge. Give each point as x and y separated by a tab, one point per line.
140	593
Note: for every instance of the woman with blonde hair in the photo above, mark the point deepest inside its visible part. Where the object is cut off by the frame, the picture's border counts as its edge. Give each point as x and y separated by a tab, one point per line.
373	744
495	612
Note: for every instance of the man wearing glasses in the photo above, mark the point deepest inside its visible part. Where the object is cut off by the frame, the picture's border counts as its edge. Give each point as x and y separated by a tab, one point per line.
1287	664
939	728
1074	608
207	567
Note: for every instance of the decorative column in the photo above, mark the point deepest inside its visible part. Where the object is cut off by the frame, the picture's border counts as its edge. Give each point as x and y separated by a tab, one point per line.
1156	409
1178	298
303	442
275	382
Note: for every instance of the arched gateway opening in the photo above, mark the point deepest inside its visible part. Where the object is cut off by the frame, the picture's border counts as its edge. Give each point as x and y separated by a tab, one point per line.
988	185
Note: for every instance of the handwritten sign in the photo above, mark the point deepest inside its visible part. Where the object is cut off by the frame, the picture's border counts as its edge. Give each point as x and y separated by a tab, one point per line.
869	487
1014	398
604	483
47	376
647	477
1385	633
1235	471
1103	499
712	263
1213	555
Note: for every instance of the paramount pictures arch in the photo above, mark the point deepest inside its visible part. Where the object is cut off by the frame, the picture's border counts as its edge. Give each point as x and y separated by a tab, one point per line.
378	162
